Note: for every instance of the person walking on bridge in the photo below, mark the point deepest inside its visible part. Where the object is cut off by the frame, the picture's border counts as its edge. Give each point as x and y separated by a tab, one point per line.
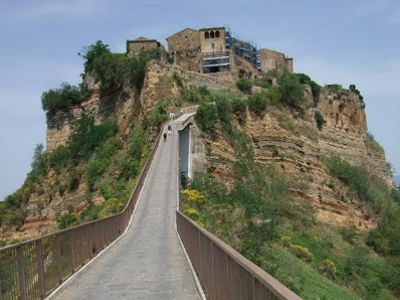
169	129
165	136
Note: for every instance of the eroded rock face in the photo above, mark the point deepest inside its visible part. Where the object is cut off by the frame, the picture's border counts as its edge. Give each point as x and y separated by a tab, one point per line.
294	146
53	197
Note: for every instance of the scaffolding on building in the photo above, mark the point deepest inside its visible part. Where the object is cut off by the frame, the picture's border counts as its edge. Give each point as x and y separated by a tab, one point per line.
217	61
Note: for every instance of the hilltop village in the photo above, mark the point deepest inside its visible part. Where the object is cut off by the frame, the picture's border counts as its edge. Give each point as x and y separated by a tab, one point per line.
215	50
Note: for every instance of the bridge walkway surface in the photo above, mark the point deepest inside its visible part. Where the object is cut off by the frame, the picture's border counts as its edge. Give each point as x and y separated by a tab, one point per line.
148	262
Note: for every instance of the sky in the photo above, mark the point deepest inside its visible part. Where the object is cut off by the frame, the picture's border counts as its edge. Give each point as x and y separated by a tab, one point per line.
339	41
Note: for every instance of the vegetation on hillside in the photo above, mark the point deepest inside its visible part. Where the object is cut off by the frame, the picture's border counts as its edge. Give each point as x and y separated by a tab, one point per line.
257	216
113	70
106	160
116	70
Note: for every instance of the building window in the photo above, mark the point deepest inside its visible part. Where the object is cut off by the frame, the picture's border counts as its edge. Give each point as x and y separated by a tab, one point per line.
217	34
206	35
212	34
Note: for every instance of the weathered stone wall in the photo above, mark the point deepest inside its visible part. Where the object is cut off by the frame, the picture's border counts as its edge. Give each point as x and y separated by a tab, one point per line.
206	44
273	60
187	39
138	45
242	67
189	60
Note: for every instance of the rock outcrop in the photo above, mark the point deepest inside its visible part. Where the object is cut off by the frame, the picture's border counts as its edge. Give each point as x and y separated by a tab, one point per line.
294	145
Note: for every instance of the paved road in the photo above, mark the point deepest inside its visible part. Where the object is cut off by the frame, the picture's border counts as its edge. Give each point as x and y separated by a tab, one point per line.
148	262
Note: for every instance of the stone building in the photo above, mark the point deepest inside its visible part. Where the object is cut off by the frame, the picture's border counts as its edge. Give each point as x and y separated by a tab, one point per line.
273	60
185	39
140	44
215	50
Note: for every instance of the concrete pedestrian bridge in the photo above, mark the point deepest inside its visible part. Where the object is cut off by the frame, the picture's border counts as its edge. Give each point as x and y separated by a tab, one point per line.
148	251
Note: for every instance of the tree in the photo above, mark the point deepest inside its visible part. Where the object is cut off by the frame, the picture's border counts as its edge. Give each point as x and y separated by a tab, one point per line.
206	117
292	90
38	164
61	99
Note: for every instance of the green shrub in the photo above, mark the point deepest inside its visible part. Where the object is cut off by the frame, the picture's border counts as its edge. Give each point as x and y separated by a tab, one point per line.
61	99
328	268
257	103
262	83
86	137
238	105
95	169
292	91
39	161
128	168
113	70
111	207
59	157
206	117
319	119
385	238
204	91
90	213
195	94
304	79
348	234
191	213
159	113
337	89
353	89
178	79
301	252
66	221
137	142
244	85
286	241
274	95
224	109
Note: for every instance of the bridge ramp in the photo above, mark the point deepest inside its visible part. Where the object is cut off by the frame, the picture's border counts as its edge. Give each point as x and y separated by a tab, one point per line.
148	261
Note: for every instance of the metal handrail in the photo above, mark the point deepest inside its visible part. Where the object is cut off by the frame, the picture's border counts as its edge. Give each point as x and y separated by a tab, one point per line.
223	272
33	269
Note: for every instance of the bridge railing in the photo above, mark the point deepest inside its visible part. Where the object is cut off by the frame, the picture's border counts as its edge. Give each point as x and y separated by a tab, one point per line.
35	268
223	272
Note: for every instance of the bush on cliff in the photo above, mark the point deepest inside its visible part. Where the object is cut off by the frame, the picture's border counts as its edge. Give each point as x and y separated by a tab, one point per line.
206	117
292	91
315	87
257	103
61	99
385	239
244	85
319	119
114	70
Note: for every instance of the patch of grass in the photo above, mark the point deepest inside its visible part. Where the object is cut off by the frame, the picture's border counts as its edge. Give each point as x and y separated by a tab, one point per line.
262	83
257	103
300	276
337	89
244	85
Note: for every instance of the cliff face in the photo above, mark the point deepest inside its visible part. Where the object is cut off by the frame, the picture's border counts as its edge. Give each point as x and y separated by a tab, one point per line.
52	198
294	145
